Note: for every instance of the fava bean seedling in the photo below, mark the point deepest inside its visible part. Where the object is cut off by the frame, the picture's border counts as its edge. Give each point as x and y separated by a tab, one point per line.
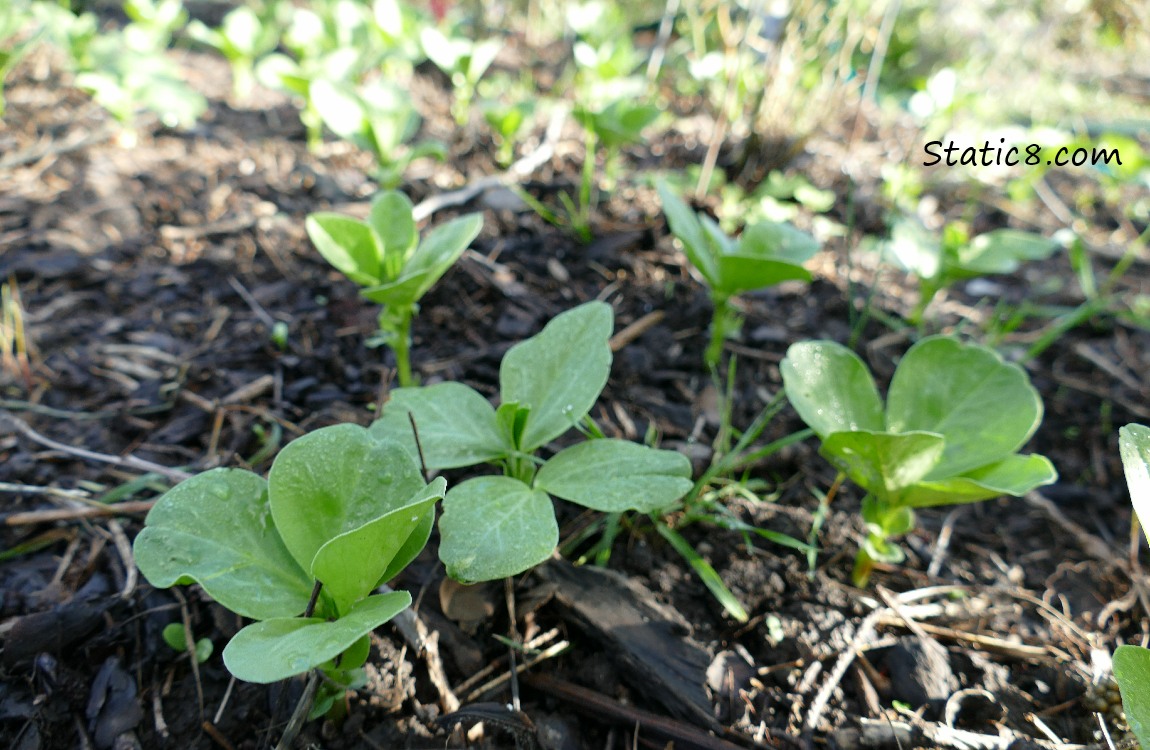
703	400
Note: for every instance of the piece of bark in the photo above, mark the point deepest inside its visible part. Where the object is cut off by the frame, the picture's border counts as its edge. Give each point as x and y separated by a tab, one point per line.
650	642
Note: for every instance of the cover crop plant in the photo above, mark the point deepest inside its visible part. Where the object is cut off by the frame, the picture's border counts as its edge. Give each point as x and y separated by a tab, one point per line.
954	419
766	254
385	256
341	512
498	526
939	262
1132	663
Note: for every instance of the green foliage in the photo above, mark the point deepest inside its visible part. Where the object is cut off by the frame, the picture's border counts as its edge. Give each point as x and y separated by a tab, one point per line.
462	60
506	122
18	33
1132	663
243	37
954	419
342	512
176	636
765	254
497	526
939	262
385	256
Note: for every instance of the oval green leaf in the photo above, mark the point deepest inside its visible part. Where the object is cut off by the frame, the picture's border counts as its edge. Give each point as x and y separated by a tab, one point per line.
277	649
391	219
334	480
494	527
1000	251
616	475
352	564
1132	673
216	529
884	463
457	426
742	273
985	408
348	245
685	225
1014	475
831	388
771	240
1134	446
559	372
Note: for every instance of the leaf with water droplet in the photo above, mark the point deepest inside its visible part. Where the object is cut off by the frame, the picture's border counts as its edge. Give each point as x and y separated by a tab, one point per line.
209	529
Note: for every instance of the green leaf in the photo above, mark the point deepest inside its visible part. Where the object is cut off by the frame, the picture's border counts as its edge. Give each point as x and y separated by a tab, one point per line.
437	253
276	649
457	427
335	480
1000	251
560	372
985	408
391	218
884	463
1014	475
685	225
347	244
741	273
831	388
1134	446
1132	673
915	248
772	240
616	475
340	108
216	529
705	572
494	527
351	565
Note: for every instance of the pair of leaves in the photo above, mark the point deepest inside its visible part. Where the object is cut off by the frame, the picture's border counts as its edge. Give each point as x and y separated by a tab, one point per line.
955	416
619	123
766	254
339	506
459	57
952	257
498	526
383	254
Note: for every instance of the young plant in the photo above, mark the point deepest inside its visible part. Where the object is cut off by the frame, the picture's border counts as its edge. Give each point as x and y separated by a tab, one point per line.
765	254
341	512
463	61
506	121
176	636
954	419
498	526
385	256
1132	663
939	262
377	117
242	38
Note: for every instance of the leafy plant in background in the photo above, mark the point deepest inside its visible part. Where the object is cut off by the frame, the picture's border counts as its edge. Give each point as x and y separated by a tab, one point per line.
954	419
766	254
242	38
176	636
498	526
377	117
341	512
385	256
1132	663
506	122
18	33
940	261
462	60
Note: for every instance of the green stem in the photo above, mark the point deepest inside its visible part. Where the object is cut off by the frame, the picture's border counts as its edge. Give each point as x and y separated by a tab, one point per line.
398	326
864	566
720	323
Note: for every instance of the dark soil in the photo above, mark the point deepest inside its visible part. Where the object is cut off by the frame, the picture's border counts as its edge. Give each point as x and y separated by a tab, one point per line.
150	276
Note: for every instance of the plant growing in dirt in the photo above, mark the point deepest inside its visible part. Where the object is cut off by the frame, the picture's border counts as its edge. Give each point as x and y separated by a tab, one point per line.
242	38
341	512
941	261
462	60
498	526
506	122
1132	663
385	256
954	419
766	254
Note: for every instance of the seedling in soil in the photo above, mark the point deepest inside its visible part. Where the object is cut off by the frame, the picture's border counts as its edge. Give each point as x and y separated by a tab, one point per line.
242	38
765	254
497	526
506	121
462	60
341	512
385	256
954	419
176	636
940	262
1132	663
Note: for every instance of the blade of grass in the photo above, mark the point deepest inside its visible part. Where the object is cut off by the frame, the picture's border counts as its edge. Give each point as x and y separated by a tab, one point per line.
704	570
